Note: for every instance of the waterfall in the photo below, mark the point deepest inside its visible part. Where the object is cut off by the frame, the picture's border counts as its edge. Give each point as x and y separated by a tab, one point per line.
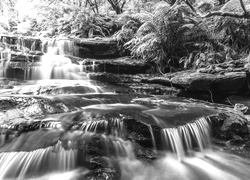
55	125
54	64
53	67
21	165
187	138
60	46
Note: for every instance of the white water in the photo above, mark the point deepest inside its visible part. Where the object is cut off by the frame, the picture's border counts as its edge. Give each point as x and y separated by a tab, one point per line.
208	166
187	148
53	67
21	165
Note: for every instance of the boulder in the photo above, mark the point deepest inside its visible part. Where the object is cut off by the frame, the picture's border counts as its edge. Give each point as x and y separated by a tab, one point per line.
21	109
226	125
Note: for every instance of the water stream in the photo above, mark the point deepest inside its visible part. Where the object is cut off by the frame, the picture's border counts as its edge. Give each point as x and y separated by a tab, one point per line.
107	135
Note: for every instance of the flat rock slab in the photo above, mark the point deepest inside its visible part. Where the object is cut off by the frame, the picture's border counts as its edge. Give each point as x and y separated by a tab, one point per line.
220	83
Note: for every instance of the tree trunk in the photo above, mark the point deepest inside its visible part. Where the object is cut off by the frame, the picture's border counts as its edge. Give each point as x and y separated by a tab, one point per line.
116	6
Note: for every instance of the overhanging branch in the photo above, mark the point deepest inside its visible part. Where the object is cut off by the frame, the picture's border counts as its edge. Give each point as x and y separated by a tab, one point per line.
225	14
245	14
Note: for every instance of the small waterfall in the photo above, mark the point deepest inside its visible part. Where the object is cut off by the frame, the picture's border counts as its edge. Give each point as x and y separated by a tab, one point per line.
51	124
54	64
152	137
3	67
117	147
5	57
21	165
60	46
2	139
89	66
117	127
114	127
172	141
91	126
53	67
184	139
27	44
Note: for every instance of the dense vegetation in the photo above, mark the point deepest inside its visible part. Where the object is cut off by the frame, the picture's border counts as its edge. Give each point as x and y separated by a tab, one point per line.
170	34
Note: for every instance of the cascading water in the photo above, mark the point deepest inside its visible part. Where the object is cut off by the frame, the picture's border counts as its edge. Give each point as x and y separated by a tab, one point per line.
104	136
53	67
22	165
59	47
54	64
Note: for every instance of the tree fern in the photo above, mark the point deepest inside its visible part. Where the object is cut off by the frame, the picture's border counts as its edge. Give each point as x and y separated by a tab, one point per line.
165	38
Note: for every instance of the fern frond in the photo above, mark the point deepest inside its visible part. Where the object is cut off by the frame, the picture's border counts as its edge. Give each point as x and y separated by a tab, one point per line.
147	27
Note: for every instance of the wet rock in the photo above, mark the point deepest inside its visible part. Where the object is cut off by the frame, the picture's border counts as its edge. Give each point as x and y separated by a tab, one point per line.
241	103
227	125
153	89
16	108
32	140
53	90
232	82
21	43
70	90
15	73
157	80
7	104
143	153
240	108
103	168
236	140
25	57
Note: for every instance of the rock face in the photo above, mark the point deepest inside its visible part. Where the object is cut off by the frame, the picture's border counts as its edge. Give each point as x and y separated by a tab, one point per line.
227	125
22	109
232	82
80	47
97	48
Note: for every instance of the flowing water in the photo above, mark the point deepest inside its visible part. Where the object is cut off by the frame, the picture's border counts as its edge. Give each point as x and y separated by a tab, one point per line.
107	136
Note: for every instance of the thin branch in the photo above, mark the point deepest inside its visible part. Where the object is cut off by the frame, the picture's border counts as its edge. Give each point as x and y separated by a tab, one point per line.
225	14
190	5
124	2
51	3
243	7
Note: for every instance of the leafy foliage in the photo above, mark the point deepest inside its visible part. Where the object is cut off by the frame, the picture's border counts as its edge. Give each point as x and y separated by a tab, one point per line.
167	33
84	24
173	32
234	32
177	36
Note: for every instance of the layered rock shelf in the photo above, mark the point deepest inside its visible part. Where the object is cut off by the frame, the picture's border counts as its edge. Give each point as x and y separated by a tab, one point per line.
100	58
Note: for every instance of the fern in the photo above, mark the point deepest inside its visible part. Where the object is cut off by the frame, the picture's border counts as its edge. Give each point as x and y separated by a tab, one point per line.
164	39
